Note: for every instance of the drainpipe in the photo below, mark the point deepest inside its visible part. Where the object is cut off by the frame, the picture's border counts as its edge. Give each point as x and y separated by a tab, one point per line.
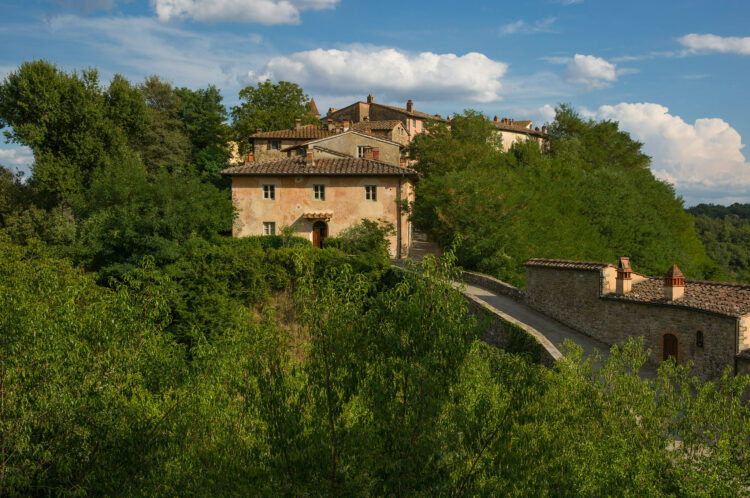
398	219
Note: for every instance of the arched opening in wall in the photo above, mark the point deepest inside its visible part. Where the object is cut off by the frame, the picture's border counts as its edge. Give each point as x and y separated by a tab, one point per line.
320	232
669	347
699	338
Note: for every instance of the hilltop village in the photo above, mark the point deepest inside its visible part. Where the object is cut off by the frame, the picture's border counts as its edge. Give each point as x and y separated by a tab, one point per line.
322	178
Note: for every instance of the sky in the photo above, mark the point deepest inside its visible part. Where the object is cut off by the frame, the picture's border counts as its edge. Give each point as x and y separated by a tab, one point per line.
673	73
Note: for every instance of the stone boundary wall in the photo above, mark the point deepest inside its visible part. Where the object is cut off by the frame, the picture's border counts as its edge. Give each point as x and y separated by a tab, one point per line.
493	284
505	332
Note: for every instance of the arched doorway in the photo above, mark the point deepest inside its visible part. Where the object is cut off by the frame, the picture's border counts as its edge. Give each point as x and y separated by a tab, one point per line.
320	232
669	347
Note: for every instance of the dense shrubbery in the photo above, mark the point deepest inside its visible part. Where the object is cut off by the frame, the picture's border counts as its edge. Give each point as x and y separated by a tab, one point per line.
725	232
591	198
143	353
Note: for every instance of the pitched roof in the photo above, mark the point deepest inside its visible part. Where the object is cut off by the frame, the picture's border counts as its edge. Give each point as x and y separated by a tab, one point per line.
566	264
517	129
375	125
414	114
341	133
674	272
297	166
722	298
314	108
305	132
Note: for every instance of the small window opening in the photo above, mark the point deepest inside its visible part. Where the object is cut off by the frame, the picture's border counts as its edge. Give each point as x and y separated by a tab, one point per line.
699	338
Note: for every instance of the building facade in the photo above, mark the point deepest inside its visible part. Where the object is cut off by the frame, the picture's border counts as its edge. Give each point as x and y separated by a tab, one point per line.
320	197
513	131
703	322
350	144
412	120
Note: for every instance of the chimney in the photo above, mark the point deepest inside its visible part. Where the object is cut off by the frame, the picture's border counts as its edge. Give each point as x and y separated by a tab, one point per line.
368	153
376	153
329	124
624	279
409	106
297	124
370	99
310	158
536	129
544	129
258	130
496	120
674	284
346	125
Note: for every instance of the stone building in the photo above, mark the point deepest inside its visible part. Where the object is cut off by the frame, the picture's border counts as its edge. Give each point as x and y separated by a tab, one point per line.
412	120
513	131
267	145
392	130
321	196
705	322
350	144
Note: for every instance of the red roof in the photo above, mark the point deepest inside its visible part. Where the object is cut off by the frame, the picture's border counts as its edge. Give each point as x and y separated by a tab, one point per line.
305	132
297	166
567	264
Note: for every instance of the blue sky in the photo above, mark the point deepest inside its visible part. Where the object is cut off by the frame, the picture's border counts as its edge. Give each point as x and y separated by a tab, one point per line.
674	73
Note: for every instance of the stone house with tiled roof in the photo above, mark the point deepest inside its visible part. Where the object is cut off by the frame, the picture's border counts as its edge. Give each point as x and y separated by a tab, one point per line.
320	195
513	131
267	145
350	144
413	121
707	323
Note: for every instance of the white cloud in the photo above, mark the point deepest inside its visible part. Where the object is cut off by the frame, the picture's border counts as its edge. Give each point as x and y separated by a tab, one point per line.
524	28
703	160
250	11
18	157
390	72
714	43
593	72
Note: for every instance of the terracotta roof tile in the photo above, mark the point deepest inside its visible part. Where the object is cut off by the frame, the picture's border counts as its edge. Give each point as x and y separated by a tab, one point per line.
566	264
317	216
517	129
332	167
716	297
306	132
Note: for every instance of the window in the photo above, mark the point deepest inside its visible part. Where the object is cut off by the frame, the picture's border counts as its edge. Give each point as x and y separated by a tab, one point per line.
361	150
269	228
269	192
274	145
371	193
319	192
699	338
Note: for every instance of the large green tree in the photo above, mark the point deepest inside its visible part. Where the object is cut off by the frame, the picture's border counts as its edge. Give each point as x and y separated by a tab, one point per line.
270	106
74	126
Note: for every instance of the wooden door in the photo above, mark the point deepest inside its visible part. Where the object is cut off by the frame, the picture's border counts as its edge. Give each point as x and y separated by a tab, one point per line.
320	232
670	347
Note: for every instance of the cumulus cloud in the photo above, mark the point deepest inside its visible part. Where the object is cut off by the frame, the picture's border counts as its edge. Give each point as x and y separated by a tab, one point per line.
714	43
250	11
524	28
396	74
18	157
593	72
703	160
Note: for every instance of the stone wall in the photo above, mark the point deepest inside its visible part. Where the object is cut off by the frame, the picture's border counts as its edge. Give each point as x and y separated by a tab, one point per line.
493	284
573	297
507	333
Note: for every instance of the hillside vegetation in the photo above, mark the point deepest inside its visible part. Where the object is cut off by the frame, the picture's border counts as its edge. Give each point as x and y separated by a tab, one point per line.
592	197
143	352
725	232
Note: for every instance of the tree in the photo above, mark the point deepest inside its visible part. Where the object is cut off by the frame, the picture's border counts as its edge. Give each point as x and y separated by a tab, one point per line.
270	106
164	145
204	116
74	127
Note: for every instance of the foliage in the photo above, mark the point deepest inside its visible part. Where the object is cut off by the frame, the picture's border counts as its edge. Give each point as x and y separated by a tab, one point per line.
74	127
725	232
129	214
590	199
270	106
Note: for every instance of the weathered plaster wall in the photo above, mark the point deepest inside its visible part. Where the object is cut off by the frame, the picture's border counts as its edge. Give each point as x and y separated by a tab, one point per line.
347	144
263	152
344	197
572	297
509	138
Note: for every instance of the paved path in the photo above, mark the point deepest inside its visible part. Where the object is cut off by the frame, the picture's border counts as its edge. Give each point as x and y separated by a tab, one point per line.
553	330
